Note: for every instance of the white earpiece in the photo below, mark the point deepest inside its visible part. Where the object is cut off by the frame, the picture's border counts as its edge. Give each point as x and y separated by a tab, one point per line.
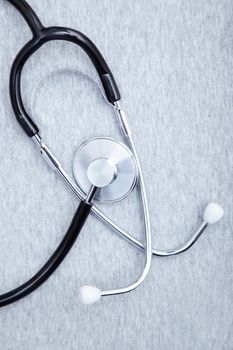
213	213
89	295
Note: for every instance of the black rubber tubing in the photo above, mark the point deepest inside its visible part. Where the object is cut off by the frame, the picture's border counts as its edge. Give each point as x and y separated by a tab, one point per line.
52	264
41	35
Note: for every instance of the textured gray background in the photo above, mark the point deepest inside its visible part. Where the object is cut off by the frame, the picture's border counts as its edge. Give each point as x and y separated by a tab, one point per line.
173	61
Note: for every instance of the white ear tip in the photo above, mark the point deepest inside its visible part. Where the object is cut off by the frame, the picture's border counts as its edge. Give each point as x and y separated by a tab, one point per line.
213	213
89	295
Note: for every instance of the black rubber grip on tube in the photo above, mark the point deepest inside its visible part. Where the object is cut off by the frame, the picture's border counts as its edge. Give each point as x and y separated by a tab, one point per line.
52	264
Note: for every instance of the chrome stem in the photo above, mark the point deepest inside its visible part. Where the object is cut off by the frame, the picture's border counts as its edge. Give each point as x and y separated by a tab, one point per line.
91	194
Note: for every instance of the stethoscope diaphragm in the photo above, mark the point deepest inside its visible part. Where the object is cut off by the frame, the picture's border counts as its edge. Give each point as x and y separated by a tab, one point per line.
106	152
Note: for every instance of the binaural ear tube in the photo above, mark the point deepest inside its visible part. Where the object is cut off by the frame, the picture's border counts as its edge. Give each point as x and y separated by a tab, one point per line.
213	213
89	295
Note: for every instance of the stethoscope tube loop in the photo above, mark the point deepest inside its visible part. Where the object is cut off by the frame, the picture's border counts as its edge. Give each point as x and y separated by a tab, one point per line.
41	36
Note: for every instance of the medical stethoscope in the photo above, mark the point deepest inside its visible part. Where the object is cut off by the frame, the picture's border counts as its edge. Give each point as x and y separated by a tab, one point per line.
104	169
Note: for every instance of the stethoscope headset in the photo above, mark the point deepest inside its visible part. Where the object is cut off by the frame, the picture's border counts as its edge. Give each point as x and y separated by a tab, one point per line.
105	169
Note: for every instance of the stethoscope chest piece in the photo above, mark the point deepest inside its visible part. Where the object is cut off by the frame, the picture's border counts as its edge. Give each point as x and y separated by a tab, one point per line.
102	158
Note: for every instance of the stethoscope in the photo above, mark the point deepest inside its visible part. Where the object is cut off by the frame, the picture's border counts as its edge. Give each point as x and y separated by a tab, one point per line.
104	169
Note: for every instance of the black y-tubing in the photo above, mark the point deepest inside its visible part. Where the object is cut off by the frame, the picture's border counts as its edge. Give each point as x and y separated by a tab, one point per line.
52	264
41	35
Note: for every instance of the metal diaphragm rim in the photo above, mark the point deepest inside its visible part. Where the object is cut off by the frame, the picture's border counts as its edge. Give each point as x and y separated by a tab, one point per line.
117	153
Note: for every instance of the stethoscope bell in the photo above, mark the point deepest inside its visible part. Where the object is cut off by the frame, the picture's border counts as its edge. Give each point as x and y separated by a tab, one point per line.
101	161
101	172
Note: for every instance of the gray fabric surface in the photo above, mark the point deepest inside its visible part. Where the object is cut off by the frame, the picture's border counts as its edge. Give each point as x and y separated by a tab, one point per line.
173	61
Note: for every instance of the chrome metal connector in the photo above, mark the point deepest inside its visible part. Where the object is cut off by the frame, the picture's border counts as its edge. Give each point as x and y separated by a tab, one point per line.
48	156
122	119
